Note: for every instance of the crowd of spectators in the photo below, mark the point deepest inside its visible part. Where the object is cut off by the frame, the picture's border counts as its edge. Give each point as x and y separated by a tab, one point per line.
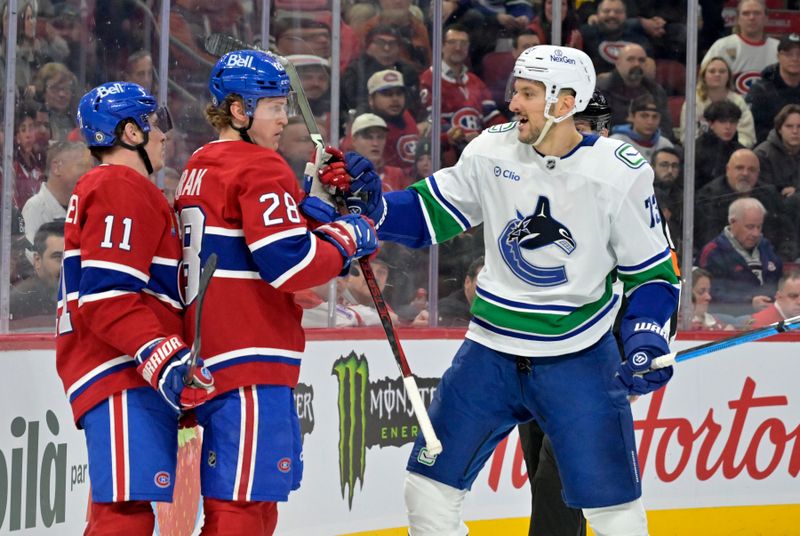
747	172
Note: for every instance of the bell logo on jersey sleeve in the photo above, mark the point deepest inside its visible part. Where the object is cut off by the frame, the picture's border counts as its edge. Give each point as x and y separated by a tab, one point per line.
526	233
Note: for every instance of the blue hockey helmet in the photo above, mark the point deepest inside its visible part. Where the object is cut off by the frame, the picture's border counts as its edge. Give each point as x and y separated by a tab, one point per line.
102	109
251	74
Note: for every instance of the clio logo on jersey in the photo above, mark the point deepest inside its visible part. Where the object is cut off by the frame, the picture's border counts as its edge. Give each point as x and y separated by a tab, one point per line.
235	60
506	174
559	57
111	89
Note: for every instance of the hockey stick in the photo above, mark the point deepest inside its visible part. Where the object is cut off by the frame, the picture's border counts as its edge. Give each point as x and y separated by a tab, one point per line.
783	326
205	280
219	45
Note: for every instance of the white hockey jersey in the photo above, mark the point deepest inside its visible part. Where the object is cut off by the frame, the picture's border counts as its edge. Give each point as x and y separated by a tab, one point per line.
746	58
558	231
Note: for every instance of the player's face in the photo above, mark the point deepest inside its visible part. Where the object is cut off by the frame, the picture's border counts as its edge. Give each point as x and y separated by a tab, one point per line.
790	132
156	144
269	118
789	298
528	104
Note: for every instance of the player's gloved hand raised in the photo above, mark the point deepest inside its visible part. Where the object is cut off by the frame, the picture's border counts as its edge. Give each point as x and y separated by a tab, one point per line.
319	203
361	186
645	344
163	363
353	235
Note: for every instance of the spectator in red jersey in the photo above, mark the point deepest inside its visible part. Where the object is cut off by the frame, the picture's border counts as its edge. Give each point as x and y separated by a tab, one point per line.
369	139
388	99
415	44
467	104
29	162
786	304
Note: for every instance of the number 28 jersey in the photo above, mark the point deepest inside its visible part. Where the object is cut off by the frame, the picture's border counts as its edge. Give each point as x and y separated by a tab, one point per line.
240	201
119	283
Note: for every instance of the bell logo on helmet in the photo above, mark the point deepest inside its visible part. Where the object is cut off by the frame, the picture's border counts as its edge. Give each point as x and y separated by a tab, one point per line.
109	89
235	60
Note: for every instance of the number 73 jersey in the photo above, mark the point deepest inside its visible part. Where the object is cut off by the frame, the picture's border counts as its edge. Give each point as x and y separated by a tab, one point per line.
119	282
558	232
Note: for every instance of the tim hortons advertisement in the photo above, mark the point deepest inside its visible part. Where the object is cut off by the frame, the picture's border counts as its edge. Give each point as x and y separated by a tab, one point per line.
724	436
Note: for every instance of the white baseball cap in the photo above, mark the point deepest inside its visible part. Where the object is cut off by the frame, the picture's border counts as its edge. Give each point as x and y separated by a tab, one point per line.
384	80
365	121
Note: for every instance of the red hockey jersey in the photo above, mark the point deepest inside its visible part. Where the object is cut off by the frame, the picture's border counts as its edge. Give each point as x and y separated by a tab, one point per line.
119	283
240	201
401	142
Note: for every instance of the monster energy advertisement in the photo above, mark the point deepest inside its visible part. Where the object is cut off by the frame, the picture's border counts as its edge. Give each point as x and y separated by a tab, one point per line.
371	413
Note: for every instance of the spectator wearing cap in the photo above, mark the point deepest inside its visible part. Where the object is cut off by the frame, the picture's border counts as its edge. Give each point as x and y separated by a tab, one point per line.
628	81
779	154
467	104
67	161
747	50
415	44
368	138
779	86
382	52
715	146
387	99
315	78
642	131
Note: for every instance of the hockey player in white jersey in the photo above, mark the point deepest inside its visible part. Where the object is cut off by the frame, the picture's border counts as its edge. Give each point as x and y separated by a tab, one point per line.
562	213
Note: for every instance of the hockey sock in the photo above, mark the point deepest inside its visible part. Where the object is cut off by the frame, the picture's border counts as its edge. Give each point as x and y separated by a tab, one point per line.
112	519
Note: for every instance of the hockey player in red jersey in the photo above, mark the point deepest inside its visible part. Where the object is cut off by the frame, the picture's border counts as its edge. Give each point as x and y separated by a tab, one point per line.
238	198
119	350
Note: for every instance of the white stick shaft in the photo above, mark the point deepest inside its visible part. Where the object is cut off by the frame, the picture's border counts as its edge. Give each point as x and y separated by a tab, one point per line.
663	361
432	443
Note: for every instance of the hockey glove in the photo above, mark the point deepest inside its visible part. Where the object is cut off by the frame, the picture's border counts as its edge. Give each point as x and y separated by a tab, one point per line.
641	347
163	363
353	235
319	204
361	186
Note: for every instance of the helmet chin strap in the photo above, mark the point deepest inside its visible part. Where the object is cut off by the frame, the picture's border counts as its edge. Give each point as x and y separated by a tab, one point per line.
550	121
139	148
243	130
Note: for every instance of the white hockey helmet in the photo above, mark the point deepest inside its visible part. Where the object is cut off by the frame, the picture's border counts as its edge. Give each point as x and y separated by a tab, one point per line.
558	68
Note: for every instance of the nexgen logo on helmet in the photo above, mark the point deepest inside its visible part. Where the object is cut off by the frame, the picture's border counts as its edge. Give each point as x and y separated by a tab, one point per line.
558	68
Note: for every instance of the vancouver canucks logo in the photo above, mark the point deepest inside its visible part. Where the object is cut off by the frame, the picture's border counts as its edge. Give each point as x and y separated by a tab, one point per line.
532	232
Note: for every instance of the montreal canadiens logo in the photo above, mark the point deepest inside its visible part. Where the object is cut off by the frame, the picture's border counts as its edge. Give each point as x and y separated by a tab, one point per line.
639	359
407	147
468	119
744	81
162	479
536	231
284	465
